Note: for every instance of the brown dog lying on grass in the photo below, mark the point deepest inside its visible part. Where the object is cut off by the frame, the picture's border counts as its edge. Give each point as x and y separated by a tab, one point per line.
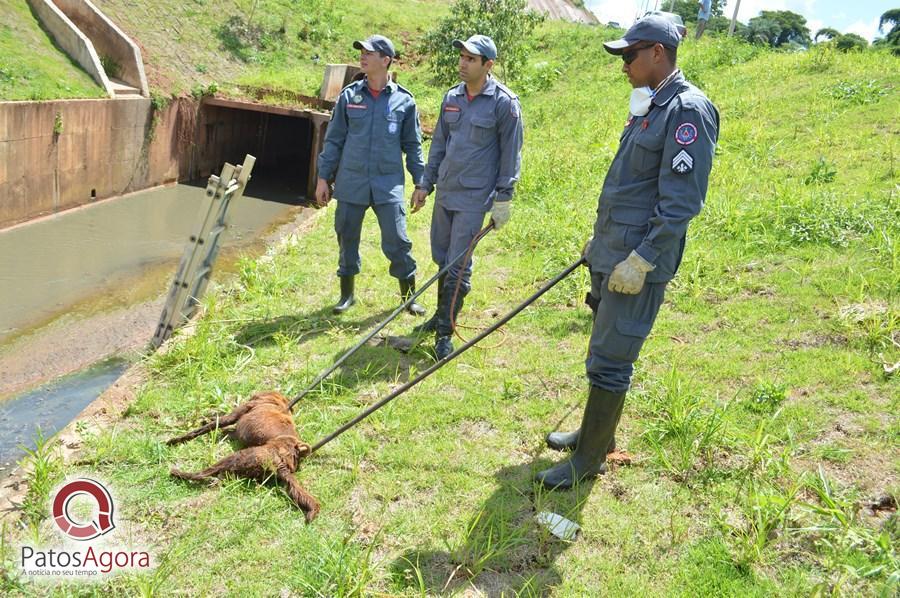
264	425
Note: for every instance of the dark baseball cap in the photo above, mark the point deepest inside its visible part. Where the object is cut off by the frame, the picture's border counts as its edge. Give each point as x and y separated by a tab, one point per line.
481	45
376	43
652	28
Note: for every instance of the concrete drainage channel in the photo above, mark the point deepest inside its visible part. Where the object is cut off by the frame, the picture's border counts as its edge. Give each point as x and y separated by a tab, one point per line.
88	258
93	220
94	290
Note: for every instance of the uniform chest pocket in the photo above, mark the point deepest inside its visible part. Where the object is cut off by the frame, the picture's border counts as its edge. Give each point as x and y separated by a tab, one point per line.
482	129
647	152
451	117
357	118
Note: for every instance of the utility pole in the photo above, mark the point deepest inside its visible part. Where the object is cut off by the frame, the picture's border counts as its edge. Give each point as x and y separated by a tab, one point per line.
734	18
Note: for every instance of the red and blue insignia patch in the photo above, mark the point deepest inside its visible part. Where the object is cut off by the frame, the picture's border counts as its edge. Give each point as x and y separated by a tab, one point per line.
686	133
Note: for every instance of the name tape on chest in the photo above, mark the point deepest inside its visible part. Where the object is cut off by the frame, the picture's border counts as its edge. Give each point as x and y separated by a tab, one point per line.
357	106
686	133
451	109
682	163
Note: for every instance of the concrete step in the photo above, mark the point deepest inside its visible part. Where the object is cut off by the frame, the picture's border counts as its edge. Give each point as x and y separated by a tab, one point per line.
122	89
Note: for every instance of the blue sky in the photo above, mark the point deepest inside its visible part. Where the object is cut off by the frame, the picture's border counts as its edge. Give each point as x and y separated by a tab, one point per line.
859	16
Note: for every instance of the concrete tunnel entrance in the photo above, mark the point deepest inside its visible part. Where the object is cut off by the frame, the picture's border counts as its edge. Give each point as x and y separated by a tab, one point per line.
285	141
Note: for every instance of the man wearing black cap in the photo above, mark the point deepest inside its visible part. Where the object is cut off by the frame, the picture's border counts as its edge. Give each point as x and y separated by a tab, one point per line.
656	183
474	161
373	121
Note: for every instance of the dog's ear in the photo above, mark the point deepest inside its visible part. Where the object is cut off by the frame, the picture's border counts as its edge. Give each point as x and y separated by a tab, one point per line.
303	450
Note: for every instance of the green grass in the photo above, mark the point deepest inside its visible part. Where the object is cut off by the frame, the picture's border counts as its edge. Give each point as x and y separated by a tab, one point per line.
31	66
272	44
761	416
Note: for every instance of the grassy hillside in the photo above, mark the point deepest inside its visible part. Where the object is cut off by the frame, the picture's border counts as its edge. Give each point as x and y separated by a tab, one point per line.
763	416
279	44
31	66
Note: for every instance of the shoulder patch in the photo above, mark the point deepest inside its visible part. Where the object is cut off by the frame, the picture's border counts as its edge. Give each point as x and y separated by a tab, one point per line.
404	90
507	91
686	133
353	85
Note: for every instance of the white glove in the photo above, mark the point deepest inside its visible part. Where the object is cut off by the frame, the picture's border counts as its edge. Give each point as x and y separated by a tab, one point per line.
629	274
587	247
500	214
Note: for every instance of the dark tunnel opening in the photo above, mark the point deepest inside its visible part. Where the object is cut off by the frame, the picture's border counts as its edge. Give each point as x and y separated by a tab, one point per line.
284	141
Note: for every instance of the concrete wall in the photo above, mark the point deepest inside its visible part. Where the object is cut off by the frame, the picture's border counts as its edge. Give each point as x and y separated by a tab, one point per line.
73	41
108	40
58	155
563	10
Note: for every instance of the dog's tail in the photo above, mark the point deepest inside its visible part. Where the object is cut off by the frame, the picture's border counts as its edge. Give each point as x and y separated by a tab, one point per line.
200	476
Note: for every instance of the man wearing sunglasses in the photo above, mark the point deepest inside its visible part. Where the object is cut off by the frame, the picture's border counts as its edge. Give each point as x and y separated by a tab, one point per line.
656	183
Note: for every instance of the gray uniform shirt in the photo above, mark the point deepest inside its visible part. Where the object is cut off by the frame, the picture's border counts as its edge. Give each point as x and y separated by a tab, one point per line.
363	144
475	155
657	182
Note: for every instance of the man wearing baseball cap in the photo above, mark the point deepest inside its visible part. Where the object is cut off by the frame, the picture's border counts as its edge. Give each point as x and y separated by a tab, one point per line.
373	121
655	185
474	162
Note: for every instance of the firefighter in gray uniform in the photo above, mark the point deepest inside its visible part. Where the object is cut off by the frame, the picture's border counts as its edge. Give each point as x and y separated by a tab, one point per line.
656	183
373	121
474	161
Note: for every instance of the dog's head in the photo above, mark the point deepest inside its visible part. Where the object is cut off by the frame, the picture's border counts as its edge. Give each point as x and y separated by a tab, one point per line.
291	449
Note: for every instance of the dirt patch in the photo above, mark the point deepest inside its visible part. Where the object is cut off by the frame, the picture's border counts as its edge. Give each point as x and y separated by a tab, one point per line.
68	346
811	340
871	469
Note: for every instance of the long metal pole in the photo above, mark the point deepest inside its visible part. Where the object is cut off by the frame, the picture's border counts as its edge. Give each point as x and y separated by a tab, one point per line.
403	388
734	18
390	318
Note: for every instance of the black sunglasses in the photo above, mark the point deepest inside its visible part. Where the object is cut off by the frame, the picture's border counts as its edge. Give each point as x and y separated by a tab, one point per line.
629	56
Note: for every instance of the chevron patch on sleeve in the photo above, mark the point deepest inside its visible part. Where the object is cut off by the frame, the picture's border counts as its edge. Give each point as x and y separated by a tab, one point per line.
682	163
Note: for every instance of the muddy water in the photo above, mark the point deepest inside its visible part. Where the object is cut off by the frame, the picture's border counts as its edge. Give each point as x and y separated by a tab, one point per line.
51	265
87	284
50	407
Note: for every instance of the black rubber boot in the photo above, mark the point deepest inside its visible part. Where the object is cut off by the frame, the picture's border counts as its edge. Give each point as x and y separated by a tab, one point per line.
430	325
443	347
407	289
443	344
567	441
598	427
347	298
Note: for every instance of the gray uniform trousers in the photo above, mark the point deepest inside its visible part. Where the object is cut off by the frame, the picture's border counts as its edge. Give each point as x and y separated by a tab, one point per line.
451	233
621	325
395	243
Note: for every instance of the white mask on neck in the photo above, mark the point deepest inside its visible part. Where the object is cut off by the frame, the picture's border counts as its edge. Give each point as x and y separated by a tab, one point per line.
639	104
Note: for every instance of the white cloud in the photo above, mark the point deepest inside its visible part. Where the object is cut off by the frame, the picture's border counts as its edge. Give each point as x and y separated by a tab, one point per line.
866	29
621	12
814	25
